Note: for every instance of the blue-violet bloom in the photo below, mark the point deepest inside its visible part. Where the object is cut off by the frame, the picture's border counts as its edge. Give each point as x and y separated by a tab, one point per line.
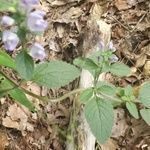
36	22
28	4
7	21
10	40
37	51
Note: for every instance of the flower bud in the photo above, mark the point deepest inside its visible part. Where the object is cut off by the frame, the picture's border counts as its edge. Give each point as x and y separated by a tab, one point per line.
36	22
7	21
10	40
37	51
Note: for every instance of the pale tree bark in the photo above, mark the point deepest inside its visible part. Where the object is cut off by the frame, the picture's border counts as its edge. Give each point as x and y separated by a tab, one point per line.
97	30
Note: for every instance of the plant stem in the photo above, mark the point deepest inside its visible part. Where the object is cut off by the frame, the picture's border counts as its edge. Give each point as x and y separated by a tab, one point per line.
41	97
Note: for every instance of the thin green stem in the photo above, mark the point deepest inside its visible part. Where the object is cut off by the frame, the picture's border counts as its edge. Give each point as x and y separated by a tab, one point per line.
41	97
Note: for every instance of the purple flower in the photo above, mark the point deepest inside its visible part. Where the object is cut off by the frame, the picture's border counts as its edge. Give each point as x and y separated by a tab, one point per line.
113	58
7	21
10	40
36	22
37	51
101	46
111	46
28	4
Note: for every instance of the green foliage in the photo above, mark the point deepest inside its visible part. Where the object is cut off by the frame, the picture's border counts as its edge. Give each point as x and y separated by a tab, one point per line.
8	5
20	97
132	109
85	63
6	60
55	74
25	65
106	88
22	32
126	94
144	94
86	95
120	69
99	115
6	87
145	113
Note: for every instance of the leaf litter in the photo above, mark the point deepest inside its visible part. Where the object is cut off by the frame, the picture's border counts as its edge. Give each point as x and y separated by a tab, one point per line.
130	21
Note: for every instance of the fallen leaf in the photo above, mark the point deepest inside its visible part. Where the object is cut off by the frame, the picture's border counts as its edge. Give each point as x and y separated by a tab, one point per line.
7	122
3	140
147	68
121	4
141	60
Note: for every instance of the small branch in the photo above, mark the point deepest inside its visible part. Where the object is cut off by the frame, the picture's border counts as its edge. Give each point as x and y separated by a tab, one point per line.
66	95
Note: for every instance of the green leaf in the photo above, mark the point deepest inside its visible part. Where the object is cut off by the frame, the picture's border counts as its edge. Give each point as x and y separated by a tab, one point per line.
132	109
20	97
22	31
144	94
25	65
107	89
86	95
7	5
6	60
99	115
85	63
6	87
55	74
120	69
128	91
145	113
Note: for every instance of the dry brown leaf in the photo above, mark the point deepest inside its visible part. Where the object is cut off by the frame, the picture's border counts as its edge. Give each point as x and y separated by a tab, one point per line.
110	145
121	4
61	2
147	68
72	14
132	2
7	122
146	50
141	60
3	140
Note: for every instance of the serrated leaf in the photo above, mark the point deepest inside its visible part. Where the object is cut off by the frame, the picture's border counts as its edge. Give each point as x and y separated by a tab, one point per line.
8	88
55	74
99	115
145	113
85	63
6	60
24	65
120	69
86	95
107	89
144	94
132	109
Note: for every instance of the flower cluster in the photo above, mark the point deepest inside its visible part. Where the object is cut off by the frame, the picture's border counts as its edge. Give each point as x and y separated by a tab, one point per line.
109	46
34	22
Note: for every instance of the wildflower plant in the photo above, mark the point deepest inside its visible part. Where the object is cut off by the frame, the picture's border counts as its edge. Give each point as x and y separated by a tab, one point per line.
22	24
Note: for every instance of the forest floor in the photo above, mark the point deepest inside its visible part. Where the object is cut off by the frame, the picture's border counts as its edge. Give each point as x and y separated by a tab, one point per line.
46	130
